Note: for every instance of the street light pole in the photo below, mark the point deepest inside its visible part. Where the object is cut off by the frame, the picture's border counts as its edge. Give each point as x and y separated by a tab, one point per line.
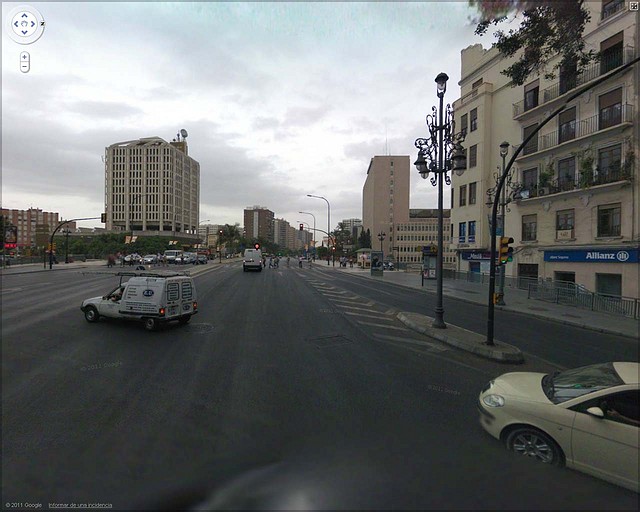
328	226
66	233
504	150
442	138
381	237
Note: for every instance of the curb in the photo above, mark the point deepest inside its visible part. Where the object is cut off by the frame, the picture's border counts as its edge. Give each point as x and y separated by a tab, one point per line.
453	336
517	311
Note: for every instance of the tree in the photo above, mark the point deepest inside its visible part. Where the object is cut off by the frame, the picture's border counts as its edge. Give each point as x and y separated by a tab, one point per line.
364	240
549	28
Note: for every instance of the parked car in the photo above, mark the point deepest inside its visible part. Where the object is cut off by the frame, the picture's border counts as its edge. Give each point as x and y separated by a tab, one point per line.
173	256
150	259
202	259
586	418
387	265
133	258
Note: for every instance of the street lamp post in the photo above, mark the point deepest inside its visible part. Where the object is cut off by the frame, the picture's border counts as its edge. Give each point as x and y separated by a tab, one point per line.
440	153
314	230
381	237
328	226
504	150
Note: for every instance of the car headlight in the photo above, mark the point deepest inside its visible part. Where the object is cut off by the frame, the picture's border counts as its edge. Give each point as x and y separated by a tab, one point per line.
493	401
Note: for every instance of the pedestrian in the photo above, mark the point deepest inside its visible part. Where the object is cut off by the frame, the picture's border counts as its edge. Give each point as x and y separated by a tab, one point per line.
288	260
270	262
300	261
111	260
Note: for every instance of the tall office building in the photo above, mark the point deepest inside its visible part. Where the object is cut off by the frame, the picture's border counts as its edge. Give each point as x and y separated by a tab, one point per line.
385	198
417	236
151	185
575	216
258	223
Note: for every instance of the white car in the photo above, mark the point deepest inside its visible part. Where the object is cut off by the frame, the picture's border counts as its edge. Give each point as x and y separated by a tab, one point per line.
150	259
586	418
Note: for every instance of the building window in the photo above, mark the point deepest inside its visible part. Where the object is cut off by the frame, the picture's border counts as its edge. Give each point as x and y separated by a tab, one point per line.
529	227
611	7
472	192
609	164
531	94
610	113
474	119
452	195
472	231
567	124
462	232
611	53
477	83
532	145
565	224
530	181
568	74
609	220
463	124
462	198
473	155
567	173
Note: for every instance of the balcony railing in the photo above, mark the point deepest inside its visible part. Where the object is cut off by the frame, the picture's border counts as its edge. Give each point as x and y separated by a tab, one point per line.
612	8
591	72
609	117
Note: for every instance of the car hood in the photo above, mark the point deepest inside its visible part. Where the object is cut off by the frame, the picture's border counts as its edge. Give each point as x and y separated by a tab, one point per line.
522	385
92	300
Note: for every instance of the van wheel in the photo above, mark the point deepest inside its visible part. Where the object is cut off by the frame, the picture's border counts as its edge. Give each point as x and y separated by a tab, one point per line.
150	324
184	320
91	314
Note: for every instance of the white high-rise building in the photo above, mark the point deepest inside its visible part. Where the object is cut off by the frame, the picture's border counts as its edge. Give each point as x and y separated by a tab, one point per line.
151	185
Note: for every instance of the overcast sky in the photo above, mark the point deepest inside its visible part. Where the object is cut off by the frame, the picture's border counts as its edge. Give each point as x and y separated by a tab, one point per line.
280	99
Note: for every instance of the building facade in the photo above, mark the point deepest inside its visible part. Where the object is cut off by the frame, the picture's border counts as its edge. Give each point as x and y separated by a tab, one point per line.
34	226
420	236
385	199
258	223
151	185
574	212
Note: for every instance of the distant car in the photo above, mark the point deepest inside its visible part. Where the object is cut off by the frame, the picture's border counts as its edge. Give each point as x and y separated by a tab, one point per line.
150	259
252	260
202	259
586	418
387	265
189	257
135	258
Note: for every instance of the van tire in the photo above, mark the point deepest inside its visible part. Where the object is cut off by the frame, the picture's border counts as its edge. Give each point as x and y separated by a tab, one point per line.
91	314
184	320
150	324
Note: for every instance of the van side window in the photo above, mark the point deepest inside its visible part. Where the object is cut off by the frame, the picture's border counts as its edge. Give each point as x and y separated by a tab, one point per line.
187	291
173	291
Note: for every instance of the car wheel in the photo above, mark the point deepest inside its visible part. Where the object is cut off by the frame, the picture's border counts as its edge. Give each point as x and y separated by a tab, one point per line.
534	443
150	324
91	314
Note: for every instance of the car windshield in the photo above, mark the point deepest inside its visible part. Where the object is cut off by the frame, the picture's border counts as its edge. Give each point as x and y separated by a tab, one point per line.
562	386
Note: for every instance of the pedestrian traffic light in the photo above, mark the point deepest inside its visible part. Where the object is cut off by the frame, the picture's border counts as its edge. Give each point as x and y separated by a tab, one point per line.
301	227
506	252
256	246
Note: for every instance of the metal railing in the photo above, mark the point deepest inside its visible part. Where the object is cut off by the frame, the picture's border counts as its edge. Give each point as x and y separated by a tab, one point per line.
572	295
607	63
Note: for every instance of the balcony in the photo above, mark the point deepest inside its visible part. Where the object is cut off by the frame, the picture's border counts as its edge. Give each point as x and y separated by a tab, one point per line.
612	8
609	117
607	63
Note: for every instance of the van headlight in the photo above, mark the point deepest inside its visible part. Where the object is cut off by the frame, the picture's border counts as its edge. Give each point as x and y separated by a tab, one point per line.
493	401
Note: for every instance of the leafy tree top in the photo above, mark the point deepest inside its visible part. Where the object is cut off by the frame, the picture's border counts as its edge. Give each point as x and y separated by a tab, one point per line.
549	28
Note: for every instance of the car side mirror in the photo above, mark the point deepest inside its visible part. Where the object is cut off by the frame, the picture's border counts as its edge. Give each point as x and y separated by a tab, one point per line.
595	411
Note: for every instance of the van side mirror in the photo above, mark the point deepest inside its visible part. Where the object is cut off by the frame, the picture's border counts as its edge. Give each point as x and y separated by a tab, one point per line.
595	411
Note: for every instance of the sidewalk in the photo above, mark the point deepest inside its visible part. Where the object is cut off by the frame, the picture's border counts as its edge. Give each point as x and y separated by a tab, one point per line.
516	300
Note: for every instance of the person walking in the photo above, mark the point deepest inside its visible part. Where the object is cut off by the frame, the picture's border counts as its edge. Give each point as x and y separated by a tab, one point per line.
288	260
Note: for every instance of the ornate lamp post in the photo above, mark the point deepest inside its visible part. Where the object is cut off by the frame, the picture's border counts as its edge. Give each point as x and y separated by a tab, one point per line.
440	153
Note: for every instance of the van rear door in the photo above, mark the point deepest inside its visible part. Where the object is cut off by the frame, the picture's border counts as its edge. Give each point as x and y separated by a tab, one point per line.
181	296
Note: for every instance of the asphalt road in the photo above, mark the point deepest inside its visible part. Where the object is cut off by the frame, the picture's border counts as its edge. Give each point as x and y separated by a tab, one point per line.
292	388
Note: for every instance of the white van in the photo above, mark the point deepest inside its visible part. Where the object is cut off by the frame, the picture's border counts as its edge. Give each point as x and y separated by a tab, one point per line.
173	256
153	298
252	260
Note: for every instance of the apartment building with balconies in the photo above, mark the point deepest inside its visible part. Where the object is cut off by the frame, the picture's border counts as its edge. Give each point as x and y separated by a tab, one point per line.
573	209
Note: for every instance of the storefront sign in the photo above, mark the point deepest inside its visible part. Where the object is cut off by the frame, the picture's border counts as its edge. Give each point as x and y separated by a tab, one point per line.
476	256
593	256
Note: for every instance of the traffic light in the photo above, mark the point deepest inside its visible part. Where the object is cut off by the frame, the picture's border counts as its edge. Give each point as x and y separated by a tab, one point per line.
301	227
256	246
506	252
103	218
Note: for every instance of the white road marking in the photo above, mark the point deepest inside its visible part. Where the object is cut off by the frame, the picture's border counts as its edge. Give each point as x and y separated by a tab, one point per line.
384	326
375	317
413	341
